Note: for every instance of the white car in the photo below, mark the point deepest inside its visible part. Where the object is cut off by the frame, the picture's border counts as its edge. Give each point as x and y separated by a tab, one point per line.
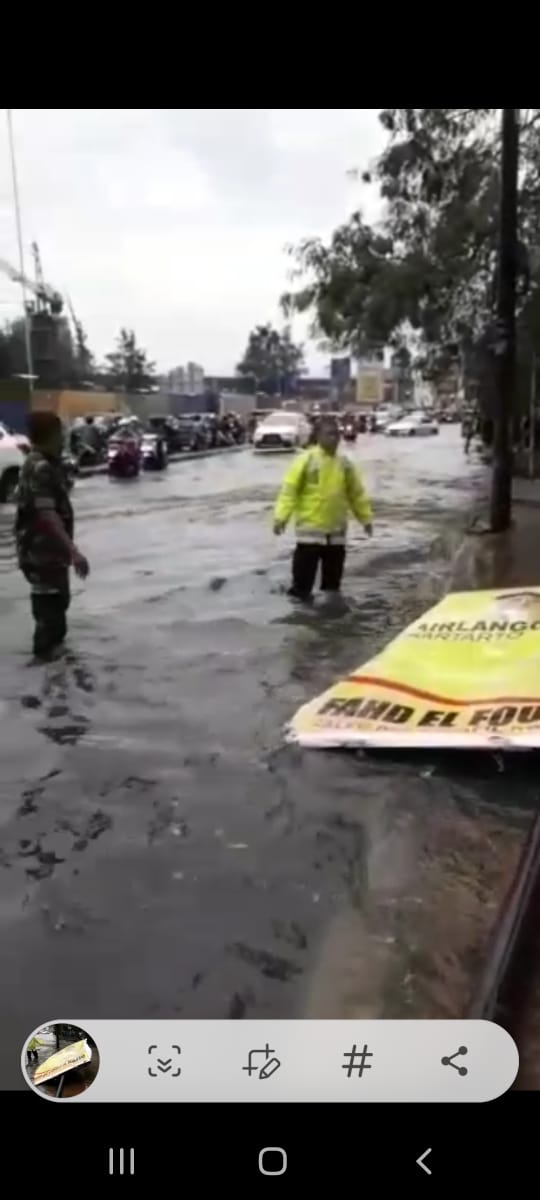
282	431
11	461
383	417
415	424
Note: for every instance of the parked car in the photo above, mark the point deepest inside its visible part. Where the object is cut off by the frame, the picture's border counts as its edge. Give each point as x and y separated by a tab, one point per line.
11	461
415	424
21	439
193	432
282	431
170	428
382	417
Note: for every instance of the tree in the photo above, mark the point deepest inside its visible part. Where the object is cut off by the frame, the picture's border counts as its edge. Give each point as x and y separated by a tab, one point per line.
353	287
83	358
129	368
429	268
272	359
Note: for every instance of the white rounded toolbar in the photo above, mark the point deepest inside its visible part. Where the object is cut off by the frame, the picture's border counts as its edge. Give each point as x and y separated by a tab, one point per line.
296	1061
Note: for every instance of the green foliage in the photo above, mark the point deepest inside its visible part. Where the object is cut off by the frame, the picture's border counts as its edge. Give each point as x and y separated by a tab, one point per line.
83	358
271	358
429	267
351	286
128	366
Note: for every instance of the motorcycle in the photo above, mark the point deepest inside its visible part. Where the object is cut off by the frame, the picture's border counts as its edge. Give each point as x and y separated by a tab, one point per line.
124	458
71	470
349	431
154	452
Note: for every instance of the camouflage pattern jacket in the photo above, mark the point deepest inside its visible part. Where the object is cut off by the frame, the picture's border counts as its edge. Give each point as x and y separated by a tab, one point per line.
42	488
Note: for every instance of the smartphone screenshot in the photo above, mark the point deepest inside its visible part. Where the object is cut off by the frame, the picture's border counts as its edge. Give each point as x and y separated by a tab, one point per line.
269	634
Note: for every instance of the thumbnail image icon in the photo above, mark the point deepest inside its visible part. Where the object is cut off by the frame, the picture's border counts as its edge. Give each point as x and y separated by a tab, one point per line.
60	1061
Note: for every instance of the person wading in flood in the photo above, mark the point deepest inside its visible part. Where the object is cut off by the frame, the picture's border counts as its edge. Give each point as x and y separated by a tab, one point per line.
44	532
320	489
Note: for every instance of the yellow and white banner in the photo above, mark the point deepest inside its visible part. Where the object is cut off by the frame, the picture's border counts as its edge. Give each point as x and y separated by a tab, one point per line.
465	675
75	1055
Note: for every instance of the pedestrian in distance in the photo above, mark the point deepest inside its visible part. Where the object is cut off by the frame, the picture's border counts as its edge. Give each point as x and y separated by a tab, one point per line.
468	432
44	529
319	490
31	1049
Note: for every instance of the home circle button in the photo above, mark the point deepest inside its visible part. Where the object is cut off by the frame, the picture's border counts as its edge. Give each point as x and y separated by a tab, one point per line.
272	1160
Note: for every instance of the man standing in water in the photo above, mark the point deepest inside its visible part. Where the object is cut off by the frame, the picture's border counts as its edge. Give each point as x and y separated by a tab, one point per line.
320	489
44	532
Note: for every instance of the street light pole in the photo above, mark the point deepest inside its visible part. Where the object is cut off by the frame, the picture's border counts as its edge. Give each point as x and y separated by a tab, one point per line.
505	349
16	201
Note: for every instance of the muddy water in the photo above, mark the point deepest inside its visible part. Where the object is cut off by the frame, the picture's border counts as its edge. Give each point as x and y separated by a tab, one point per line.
162	852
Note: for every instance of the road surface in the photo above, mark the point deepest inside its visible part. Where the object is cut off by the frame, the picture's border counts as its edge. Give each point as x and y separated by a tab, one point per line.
163	853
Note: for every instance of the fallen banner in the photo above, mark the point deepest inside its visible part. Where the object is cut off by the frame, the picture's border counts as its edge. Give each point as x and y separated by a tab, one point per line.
75	1055
466	674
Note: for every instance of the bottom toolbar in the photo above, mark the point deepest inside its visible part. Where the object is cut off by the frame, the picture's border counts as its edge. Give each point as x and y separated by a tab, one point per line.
84	1061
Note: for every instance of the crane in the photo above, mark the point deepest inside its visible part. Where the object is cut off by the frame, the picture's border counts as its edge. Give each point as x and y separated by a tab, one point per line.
46	295
76	322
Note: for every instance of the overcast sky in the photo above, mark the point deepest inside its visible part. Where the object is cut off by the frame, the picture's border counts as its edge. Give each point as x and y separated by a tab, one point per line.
174	221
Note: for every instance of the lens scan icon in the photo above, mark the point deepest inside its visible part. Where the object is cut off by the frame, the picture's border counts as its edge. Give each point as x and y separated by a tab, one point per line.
272	1160
60	1061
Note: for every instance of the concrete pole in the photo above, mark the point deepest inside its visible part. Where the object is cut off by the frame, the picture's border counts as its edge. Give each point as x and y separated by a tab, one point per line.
16	201
505	350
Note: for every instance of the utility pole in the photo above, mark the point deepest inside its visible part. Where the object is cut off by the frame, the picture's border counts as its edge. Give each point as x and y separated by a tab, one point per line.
505	349
17	206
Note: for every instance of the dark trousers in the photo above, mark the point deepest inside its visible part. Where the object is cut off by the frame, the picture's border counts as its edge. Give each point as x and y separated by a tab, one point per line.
306	559
32	1054
49	610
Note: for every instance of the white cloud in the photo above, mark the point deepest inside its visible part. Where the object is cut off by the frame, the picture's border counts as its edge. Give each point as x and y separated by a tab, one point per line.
174	221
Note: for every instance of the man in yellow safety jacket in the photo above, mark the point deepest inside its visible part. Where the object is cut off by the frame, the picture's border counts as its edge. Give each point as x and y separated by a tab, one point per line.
319	490
32	1049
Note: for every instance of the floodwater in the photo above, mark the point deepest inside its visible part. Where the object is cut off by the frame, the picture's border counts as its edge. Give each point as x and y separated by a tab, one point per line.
162	852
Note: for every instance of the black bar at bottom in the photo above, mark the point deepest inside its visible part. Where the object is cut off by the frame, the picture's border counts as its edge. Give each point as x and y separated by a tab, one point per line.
348	1145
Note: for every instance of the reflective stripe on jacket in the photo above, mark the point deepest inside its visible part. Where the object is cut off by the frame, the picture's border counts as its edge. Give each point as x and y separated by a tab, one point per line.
320	489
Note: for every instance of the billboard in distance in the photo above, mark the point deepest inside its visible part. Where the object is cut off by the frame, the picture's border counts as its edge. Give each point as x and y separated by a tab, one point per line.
370	384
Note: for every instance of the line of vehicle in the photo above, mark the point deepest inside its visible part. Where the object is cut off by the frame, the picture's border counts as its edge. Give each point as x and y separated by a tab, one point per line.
187	456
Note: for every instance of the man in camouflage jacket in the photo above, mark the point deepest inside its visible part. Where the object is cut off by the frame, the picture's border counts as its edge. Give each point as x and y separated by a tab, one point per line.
44	532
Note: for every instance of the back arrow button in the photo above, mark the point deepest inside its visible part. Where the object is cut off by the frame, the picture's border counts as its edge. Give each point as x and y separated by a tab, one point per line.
421	1162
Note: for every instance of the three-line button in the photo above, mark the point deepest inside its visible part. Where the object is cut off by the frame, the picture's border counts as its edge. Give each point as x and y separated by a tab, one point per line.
122	1167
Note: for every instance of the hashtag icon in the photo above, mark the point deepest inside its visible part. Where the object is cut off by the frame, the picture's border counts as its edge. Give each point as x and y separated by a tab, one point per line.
356	1061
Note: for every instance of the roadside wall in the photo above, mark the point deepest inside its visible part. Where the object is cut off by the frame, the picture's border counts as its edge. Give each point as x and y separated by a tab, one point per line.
14	404
69	404
203	403
147	404
237	402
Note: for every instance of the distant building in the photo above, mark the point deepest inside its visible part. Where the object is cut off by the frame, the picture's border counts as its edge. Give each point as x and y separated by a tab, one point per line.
242	384
186	380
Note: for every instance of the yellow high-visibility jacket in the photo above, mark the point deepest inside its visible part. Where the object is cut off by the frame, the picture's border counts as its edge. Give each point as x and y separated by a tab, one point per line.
320	489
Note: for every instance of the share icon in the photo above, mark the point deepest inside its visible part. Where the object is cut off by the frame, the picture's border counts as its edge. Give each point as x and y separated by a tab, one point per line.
448	1061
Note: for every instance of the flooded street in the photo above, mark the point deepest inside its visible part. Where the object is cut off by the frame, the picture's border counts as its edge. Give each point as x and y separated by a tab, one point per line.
163	853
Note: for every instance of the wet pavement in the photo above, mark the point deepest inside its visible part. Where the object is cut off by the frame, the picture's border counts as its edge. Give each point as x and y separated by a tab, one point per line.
162	852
